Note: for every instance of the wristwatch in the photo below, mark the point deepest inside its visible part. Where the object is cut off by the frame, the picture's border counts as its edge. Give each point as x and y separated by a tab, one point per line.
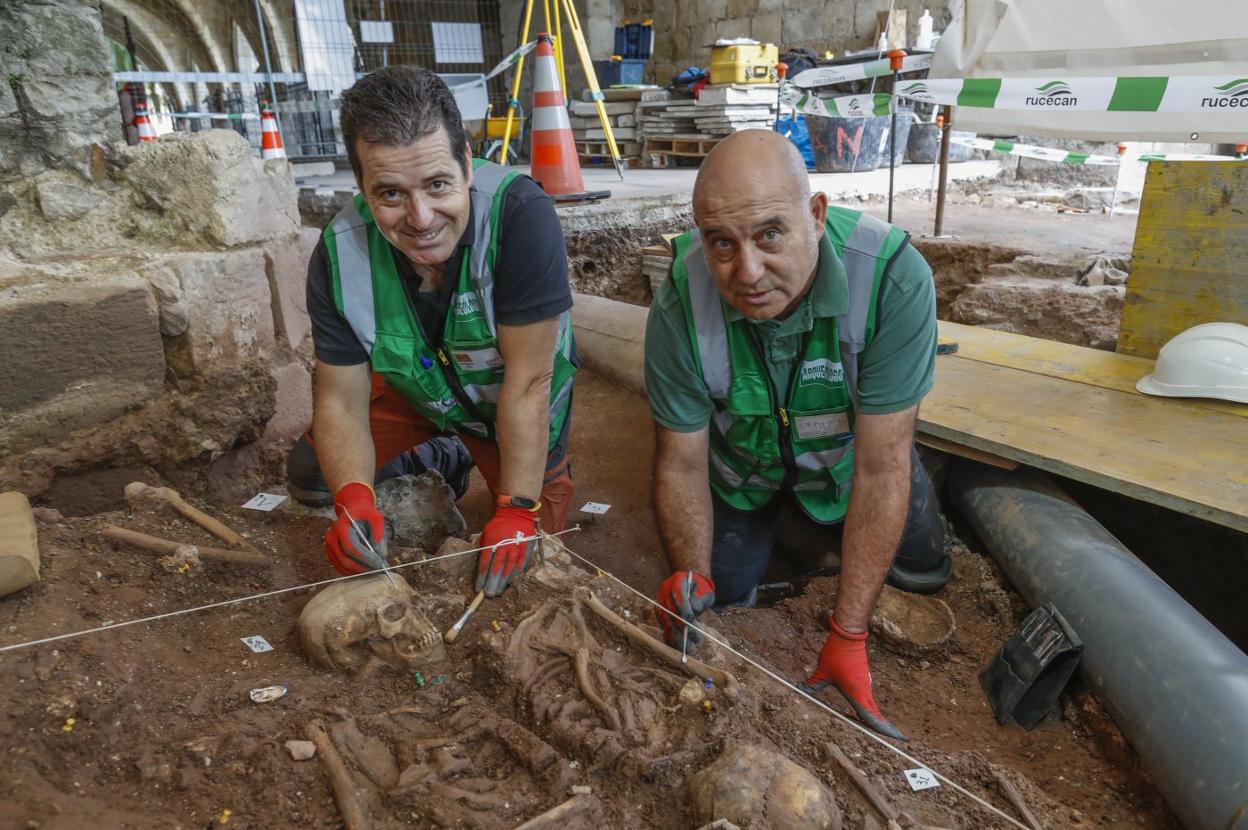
531	505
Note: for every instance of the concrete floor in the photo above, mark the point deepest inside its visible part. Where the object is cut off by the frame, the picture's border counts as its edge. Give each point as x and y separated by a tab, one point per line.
642	183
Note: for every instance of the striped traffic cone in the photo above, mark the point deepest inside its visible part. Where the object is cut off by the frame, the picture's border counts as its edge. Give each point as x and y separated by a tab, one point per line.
141	125
555	166
271	146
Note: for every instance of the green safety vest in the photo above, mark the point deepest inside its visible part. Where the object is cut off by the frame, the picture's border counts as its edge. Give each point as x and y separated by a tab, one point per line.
763	440
455	386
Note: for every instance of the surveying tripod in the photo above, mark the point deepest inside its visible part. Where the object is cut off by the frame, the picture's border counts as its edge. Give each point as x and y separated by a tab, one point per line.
553	25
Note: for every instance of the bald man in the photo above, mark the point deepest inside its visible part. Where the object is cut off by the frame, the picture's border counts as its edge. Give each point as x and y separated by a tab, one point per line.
785	360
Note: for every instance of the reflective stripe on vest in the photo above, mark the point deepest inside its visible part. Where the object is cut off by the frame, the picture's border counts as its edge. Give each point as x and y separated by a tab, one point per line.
352	240
822	437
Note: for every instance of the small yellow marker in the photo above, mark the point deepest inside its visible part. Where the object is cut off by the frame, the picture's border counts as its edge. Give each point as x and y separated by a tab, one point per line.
224	818
708	706
68	725
494	626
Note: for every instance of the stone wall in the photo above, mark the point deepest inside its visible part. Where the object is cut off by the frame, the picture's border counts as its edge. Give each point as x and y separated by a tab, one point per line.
56	98
684	31
153	317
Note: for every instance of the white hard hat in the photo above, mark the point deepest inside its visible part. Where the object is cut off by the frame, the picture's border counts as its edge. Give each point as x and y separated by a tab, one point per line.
1206	361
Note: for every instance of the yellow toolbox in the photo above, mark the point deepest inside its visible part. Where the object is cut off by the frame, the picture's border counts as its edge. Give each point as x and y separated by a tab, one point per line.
753	63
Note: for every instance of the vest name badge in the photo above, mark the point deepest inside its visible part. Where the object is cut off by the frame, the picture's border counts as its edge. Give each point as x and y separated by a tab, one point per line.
821	425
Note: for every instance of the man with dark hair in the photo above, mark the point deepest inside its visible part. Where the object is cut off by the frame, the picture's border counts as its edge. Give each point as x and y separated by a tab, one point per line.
439	301
786	357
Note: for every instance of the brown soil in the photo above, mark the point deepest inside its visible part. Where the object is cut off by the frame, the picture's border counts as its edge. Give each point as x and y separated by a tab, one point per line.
164	734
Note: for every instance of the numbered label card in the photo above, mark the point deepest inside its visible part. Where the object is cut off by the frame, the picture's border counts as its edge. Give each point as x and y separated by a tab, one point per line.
595	508
921	779
258	644
264	501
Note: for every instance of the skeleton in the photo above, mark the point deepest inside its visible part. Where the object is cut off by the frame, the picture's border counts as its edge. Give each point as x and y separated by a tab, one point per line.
360	623
629	712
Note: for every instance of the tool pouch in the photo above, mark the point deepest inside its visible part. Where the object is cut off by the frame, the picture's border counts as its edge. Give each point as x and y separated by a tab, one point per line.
1030	671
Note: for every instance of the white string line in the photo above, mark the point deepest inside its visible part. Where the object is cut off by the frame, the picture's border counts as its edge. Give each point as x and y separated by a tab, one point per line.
240	600
864	730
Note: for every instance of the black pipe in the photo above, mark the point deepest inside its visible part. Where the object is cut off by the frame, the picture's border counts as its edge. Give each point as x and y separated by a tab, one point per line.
1174	684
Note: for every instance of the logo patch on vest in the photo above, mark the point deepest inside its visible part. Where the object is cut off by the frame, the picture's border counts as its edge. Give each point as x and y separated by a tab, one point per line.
466	307
821	372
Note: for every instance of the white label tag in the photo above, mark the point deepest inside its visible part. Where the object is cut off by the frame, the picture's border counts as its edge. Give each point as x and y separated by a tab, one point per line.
824	425
264	501
256	643
921	779
474	360
595	508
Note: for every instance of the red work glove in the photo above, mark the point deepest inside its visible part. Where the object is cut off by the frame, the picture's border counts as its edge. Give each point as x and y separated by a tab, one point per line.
843	664
356	542
502	557
685	601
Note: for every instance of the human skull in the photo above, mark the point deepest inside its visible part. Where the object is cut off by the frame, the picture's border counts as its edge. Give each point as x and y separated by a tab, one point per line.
352	622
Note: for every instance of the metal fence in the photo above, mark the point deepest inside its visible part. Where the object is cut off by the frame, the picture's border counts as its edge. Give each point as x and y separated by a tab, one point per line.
215	63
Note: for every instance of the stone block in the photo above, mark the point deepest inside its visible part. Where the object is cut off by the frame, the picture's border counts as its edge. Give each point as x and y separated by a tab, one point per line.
286	265
77	353
58	97
207	186
802	27
63	200
770	6
767	28
292	413
733	28
229	310
742	8
1063	311
713	10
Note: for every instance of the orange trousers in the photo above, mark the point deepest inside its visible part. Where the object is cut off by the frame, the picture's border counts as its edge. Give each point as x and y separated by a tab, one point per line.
397	427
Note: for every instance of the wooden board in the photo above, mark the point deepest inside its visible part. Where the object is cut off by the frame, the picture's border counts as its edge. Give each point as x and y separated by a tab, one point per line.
1094	367
1163	451
1191	244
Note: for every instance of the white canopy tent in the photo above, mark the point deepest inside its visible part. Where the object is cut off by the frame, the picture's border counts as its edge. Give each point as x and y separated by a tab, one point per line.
1057	39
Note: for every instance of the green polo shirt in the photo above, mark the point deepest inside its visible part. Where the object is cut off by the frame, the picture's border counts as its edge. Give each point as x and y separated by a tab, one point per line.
896	369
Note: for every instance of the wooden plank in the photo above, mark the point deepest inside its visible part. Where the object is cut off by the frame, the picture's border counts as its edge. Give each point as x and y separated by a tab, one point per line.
1095	367
1191	243
1189	459
954	448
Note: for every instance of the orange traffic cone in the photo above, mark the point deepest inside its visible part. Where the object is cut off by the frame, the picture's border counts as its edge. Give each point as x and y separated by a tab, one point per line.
555	166
144	127
271	146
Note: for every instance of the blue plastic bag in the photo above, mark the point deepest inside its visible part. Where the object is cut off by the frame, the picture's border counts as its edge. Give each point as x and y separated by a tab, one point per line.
793	127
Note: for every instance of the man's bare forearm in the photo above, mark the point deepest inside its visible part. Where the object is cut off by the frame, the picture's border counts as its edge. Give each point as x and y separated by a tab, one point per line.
873	527
523	435
682	505
340	428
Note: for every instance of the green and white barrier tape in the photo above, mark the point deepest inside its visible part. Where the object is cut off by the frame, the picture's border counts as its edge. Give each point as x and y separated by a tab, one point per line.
1195	93
845	106
1068	157
503	65
824	75
1032	152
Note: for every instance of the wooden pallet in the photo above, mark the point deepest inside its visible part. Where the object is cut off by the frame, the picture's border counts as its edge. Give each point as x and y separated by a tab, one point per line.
602	148
679	146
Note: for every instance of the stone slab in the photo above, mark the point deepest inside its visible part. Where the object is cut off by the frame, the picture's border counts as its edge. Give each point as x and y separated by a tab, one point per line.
228	307
209	184
76	353
19	544
286	265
